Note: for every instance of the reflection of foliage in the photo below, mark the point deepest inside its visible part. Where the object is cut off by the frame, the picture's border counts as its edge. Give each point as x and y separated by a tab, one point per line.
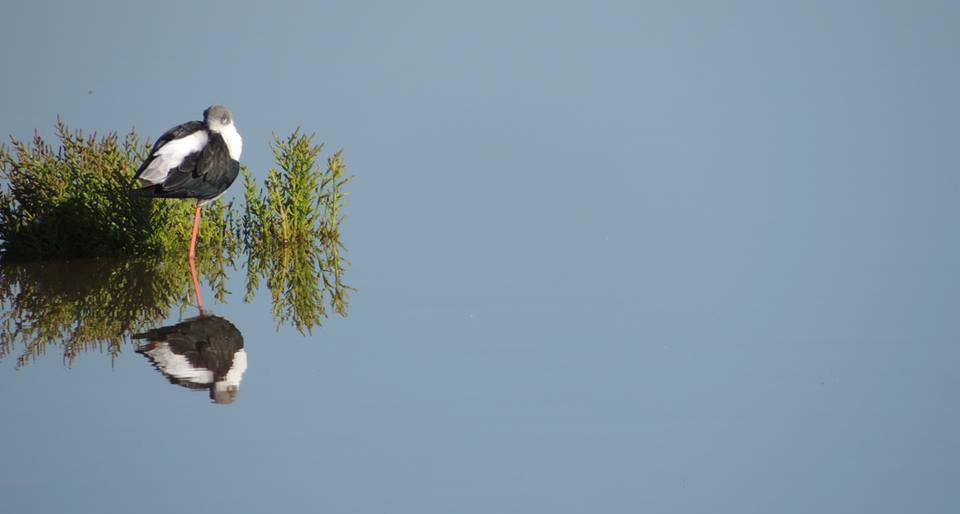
83	305
299	277
73	201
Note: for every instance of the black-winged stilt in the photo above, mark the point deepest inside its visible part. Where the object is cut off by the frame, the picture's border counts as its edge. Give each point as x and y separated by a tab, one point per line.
193	160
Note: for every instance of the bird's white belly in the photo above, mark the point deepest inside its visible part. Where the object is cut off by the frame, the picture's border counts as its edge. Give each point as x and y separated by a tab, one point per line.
178	366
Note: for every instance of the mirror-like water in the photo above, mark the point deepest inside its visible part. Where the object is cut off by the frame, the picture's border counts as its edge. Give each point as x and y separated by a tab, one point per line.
497	390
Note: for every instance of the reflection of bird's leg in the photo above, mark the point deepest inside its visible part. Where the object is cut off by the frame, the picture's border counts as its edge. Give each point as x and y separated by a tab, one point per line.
196	230
193	267
196	286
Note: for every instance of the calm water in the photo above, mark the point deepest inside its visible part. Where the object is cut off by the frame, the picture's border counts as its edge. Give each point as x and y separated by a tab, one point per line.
603	378
609	258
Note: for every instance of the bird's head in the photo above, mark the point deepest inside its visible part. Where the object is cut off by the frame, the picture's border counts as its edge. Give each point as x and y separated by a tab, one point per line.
217	118
224	393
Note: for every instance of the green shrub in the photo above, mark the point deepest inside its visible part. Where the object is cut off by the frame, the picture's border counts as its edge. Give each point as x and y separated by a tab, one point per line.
302	201
73	201
291	231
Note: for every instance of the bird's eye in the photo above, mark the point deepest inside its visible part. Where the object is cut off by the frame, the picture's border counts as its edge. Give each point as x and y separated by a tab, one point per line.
225	120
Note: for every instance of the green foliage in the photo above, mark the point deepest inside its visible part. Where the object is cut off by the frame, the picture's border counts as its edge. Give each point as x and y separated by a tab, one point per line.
332	197
73	201
291	232
302	201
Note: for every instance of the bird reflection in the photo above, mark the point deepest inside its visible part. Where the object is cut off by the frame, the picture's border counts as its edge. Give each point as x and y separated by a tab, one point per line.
205	352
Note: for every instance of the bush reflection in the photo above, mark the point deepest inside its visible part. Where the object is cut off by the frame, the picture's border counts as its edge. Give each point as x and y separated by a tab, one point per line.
70	307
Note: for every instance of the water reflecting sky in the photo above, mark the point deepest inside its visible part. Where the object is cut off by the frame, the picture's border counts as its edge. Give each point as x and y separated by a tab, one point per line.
669	257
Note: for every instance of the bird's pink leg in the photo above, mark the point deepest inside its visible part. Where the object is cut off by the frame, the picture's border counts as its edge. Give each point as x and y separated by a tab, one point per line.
193	267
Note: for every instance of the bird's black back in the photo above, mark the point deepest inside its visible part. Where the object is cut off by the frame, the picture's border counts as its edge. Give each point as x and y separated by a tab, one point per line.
178	132
204	174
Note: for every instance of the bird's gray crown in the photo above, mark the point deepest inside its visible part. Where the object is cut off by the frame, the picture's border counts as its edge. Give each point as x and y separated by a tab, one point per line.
217	116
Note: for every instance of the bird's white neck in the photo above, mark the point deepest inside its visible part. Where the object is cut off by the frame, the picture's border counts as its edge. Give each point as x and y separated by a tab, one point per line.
232	138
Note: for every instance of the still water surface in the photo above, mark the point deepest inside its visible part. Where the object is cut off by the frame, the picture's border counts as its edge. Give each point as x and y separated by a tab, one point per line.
574	386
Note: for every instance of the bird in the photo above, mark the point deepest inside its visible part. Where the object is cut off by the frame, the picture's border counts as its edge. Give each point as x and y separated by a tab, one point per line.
205	352
196	159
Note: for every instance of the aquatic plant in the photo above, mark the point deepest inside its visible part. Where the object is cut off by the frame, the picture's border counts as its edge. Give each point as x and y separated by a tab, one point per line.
302	200
72	201
291	231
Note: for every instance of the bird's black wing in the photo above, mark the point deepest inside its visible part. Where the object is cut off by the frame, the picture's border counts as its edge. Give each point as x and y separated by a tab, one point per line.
178	132
205	174
216	169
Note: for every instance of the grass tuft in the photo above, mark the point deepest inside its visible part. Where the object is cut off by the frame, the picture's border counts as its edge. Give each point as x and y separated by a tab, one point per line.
72	200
